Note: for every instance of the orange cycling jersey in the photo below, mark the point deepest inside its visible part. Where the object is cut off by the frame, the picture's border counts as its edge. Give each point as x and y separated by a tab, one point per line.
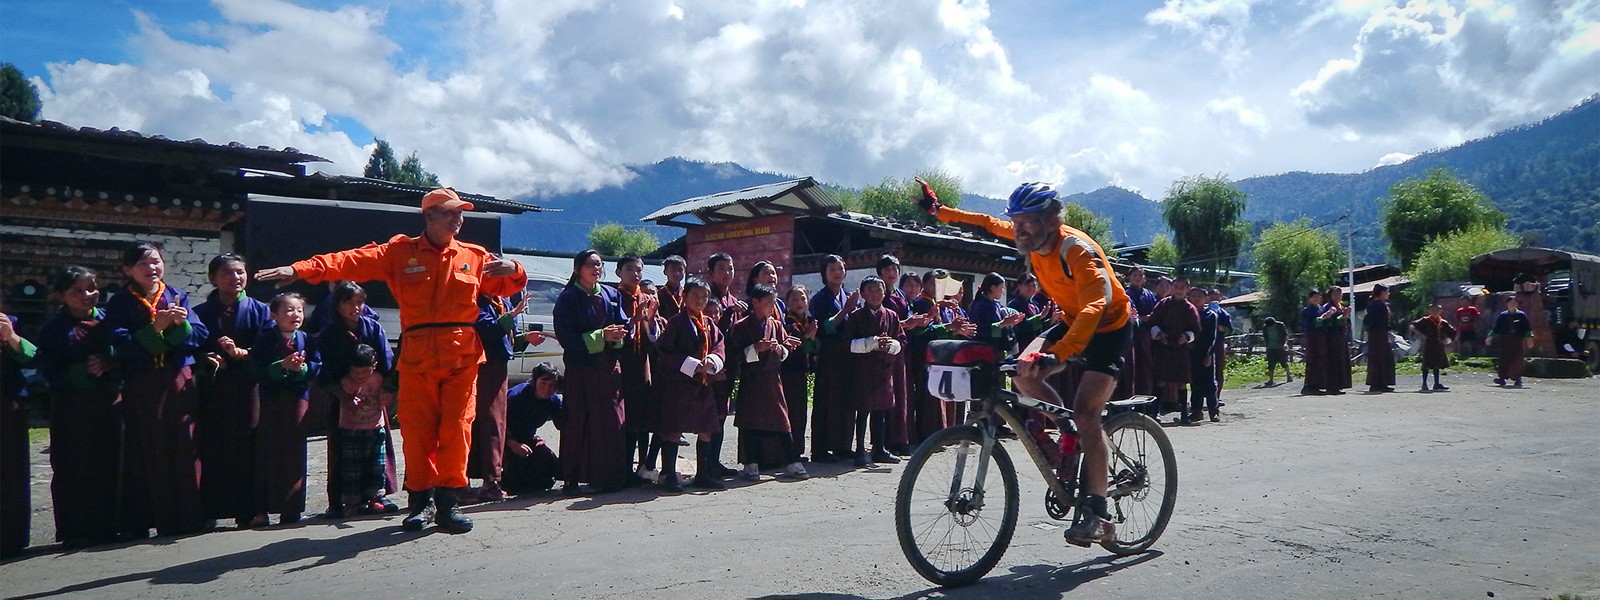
1074	273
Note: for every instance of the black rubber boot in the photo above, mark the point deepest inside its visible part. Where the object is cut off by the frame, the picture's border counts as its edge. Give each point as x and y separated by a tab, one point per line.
448	517
421	510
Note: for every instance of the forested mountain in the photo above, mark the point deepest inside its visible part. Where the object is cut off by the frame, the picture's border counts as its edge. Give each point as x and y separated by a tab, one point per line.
1545	176
652	187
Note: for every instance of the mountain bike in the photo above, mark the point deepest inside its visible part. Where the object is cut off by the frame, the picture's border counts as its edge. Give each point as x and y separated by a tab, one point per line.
954	522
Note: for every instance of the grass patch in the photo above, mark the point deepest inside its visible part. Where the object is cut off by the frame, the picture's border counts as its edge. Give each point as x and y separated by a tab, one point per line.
38	434
1251	371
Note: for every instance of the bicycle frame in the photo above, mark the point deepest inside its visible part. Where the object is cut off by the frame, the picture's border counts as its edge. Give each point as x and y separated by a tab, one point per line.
1001	403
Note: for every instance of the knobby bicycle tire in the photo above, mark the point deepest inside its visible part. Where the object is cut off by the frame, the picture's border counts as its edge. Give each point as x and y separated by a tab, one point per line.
944	444
1138	450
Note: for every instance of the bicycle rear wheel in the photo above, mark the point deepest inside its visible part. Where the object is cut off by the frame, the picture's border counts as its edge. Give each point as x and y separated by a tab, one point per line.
952	532
1143	482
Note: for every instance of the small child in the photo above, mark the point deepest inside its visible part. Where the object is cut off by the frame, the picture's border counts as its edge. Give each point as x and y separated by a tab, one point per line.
287	362
761	344
363	432
1512	336
1276	337
691	351
1436	331
797	367
874	333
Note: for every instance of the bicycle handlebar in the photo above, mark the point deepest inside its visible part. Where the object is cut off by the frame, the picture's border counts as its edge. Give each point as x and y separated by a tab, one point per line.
1045	361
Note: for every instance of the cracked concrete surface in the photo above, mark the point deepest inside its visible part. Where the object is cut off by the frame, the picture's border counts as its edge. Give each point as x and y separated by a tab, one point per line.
1446	495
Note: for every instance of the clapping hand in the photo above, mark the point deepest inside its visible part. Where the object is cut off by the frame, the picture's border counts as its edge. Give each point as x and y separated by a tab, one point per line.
1012	320
295	362
614	333
883	343
916	321
964	329
521	307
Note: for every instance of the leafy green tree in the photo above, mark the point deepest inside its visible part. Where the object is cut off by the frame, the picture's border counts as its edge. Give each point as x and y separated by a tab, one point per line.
1162	252
18	98
612	239
1448	257
1204	215
412	173
1419	210
1292	258
897	198
383	165
1083	219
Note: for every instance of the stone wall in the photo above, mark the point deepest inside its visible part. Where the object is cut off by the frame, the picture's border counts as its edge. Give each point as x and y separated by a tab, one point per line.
44	249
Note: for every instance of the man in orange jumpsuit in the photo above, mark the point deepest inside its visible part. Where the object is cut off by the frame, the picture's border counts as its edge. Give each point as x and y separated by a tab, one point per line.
1074	272
436	280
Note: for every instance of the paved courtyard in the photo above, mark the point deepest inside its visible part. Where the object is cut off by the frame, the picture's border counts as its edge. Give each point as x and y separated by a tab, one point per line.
1474	493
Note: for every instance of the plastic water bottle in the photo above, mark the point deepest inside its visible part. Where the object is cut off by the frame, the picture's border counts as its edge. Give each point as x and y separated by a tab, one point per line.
1067	465
1051	450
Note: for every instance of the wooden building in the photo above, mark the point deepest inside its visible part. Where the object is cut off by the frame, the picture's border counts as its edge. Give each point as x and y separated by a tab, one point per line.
82	195
796	223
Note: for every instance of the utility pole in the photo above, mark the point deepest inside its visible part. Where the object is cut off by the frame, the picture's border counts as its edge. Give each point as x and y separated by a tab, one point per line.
1350	257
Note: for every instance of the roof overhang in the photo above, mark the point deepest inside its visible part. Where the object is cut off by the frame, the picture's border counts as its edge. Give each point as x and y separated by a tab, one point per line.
794	196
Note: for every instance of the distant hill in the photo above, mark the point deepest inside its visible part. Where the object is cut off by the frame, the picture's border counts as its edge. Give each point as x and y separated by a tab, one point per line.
1134	218
652	187
1545	176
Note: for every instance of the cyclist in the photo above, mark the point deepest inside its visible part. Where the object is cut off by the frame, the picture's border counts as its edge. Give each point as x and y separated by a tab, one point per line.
1075	273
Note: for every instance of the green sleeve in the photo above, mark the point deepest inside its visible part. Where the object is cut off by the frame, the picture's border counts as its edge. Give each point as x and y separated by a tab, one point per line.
177	333
508	322
276	372
152	341
830	326
594	341
26	351
78	376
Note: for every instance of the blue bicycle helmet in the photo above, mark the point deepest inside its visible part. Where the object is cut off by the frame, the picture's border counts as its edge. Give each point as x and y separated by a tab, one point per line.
1033	197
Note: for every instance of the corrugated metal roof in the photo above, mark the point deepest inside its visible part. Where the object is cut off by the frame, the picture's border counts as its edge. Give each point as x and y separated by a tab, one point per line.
793	196
938	234
115	134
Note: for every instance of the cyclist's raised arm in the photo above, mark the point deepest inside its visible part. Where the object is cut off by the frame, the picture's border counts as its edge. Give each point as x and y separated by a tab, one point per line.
930	203
998	227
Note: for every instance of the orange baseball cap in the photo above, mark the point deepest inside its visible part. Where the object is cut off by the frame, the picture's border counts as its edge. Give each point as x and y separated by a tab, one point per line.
444	197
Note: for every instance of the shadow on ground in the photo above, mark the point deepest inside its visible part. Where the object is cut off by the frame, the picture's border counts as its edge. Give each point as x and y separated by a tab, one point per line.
327	551
1022	582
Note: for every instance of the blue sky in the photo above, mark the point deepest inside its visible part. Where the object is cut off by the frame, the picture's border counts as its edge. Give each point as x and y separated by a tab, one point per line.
529	98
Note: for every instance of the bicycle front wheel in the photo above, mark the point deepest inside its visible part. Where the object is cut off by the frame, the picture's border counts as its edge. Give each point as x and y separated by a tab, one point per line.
1143	482
952	530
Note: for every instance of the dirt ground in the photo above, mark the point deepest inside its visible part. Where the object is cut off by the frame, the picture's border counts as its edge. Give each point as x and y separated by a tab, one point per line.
1478	492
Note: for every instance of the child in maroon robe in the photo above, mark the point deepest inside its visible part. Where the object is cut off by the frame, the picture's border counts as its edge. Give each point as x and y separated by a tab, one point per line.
1174	323
797	367
286	362
759	340
1512	336
691	353
85	426
876	340
1436	331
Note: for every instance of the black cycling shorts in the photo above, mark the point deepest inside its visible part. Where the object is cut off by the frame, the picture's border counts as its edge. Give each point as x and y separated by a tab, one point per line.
1106	352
